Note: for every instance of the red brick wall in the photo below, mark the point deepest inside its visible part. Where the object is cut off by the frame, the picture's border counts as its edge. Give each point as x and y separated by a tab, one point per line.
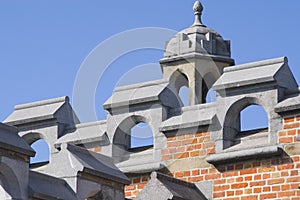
291	129
136	185
272	178
189	145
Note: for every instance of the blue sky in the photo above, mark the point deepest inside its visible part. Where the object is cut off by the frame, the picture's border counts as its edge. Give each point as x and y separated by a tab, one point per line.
43	43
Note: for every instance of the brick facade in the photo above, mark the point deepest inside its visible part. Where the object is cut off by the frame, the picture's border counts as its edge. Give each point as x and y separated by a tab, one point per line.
269	178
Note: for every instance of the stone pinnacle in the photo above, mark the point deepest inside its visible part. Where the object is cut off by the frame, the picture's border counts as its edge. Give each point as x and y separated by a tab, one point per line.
198	8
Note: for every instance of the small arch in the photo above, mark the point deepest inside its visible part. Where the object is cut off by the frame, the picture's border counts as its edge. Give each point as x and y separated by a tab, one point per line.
42	150
253	117
141	135
32	137
233	133
122	140
180	83
38	142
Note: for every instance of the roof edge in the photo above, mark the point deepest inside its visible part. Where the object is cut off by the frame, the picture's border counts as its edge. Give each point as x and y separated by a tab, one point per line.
42	103
89	124
194	55
160	176
139	85
257	64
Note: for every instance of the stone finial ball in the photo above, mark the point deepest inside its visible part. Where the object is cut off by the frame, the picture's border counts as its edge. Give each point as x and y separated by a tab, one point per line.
198	8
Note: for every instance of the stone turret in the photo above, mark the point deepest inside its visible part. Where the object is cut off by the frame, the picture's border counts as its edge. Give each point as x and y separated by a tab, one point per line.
196	57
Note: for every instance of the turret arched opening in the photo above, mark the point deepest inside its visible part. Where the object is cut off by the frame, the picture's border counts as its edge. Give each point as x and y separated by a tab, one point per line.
208	95
180	84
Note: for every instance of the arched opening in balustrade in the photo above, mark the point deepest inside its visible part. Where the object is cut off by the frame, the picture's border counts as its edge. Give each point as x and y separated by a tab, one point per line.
133	135
246	123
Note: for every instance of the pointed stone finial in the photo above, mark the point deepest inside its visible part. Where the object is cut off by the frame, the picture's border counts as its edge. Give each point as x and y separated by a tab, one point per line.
198	8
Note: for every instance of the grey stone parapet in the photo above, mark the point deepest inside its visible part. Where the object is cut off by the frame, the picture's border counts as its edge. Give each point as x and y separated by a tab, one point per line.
78	135
58	109
150	92
268	72
142	168
190	117
257	64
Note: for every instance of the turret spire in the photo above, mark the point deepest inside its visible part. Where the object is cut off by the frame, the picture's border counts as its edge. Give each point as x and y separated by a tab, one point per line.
198	8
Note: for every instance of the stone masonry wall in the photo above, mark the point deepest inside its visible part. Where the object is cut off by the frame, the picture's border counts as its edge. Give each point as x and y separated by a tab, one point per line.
270	178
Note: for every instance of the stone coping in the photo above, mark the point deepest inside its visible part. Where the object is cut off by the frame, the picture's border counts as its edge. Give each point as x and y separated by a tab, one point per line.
261	72
64	99
246	154
289	104
190	117
78	134
140	162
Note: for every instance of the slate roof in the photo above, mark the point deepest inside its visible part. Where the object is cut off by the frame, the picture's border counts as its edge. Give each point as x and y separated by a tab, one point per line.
42	186
97	164
273	70
10	140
